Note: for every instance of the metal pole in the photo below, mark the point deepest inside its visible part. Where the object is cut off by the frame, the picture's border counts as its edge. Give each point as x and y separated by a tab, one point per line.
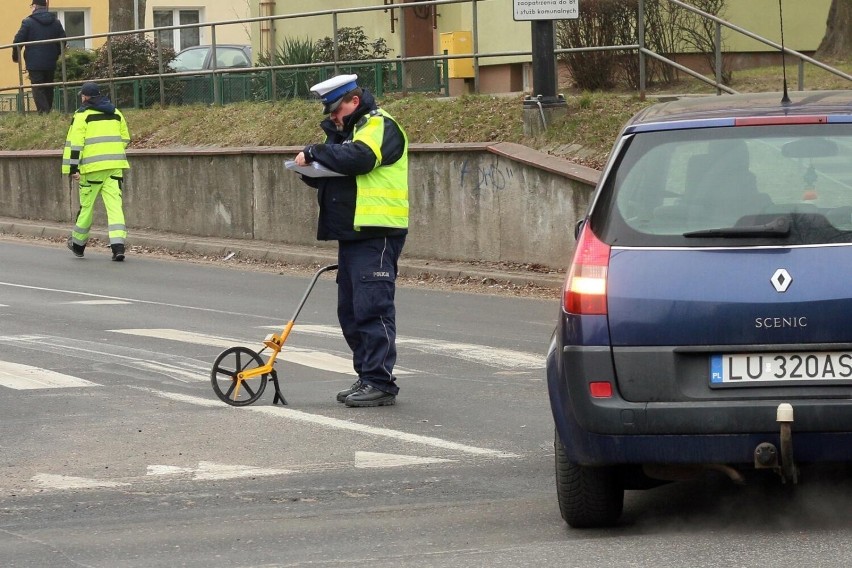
63	52
217	95
642	62
474	7
403	52
544	61
335	42
718	58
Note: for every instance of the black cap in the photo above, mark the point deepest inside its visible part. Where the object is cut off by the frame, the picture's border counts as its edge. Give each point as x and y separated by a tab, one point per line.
39	2
90	89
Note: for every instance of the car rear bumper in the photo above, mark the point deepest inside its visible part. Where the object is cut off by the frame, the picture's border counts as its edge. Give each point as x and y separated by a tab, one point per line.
612	430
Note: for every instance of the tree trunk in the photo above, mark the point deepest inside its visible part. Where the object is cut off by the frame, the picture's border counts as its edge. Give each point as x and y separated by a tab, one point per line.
837	42
121	14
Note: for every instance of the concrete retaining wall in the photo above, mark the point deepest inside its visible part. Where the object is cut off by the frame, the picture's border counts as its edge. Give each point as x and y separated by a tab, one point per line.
500	202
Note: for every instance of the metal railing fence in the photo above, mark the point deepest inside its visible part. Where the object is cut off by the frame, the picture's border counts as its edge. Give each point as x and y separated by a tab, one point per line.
400	74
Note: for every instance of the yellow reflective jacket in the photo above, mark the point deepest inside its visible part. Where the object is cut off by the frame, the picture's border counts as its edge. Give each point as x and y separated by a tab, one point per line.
96	142
382	199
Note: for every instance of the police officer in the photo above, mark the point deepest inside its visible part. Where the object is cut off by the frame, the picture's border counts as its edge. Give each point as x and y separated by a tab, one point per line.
94	155
366	212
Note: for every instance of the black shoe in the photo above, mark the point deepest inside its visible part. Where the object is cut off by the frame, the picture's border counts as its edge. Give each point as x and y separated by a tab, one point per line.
341	396
75	248
117	252
368	395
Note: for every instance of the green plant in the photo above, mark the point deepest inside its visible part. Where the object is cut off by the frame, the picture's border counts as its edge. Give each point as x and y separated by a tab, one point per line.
128	56
352	45
131	55
289	83
76	62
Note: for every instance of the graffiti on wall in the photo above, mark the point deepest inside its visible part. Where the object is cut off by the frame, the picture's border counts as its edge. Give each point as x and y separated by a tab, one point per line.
493	176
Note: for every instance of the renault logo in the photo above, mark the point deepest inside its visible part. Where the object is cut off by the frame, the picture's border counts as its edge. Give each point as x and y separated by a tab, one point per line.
781	280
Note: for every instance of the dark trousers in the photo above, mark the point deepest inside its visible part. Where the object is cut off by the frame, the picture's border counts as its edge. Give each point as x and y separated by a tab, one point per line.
42	96
366	283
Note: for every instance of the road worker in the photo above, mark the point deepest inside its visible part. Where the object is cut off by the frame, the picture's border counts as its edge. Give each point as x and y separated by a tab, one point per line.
94	155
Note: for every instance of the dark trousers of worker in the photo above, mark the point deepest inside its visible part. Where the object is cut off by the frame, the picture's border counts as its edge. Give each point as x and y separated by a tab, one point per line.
42	96
366	284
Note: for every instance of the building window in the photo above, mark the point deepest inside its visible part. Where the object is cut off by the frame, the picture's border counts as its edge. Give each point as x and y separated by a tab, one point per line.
180	38
76	23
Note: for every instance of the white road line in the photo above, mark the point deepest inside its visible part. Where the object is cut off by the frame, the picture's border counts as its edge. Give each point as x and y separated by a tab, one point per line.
483	354
306	357
101	302
174	372
49	481
320	420
24	377
132	300
365	460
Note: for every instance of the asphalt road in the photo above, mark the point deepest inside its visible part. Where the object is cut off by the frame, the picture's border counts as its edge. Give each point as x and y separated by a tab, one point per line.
115	452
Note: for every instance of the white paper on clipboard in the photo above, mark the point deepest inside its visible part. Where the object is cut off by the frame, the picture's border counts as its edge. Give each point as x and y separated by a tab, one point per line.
314	169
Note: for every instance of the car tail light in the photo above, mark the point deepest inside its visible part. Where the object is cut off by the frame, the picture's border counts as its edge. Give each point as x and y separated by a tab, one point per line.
585	287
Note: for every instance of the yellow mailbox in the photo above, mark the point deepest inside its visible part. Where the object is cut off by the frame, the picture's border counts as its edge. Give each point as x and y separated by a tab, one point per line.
454	43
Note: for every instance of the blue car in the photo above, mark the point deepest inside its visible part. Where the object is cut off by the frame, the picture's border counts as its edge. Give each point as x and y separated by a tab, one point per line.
706	318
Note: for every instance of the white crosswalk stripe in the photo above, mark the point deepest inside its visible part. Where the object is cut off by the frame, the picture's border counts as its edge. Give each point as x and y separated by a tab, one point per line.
305	357
482	354
25	377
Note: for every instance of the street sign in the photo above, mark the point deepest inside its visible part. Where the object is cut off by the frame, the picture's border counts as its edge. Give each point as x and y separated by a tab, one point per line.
546	9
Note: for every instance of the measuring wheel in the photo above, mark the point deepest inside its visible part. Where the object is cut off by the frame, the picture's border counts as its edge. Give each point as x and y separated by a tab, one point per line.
227	386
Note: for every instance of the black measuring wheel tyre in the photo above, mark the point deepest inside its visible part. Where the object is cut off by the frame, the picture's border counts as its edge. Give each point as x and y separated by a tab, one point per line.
588	496
223	377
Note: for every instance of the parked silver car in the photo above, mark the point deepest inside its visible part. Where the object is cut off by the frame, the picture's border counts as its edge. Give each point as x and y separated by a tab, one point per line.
200	57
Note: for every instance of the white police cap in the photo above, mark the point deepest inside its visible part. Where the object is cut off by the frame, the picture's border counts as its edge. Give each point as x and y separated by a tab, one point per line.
331	91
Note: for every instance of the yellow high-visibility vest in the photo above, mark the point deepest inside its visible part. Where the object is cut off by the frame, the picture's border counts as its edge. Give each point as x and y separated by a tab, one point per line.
382	199
99	140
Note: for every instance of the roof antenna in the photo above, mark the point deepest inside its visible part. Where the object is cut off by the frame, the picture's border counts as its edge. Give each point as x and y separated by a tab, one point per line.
785	99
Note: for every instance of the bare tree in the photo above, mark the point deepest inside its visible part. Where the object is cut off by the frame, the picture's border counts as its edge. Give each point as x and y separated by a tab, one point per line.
121	14
699	33
837	42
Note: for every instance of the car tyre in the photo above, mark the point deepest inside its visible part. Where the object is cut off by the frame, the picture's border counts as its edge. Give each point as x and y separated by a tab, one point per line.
589	496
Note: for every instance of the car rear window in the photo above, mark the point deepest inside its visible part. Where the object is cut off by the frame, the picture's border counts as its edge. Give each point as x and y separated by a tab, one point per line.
781	184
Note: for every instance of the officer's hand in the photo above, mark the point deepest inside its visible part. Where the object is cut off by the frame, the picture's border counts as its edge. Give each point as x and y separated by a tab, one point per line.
75	176
300	159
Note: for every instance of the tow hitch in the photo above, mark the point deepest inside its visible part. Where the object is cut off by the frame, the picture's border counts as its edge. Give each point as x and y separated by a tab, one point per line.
766	455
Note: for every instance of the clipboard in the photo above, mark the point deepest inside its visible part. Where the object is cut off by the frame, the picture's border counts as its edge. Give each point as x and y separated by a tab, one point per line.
314	169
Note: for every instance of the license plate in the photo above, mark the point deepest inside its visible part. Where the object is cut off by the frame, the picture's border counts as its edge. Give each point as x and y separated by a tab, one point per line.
743	369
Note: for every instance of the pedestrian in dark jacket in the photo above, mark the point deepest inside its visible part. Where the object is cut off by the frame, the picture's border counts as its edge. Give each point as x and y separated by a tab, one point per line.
366	212
40	59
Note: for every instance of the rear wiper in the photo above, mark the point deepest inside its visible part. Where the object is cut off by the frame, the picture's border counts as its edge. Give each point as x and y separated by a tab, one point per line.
776	228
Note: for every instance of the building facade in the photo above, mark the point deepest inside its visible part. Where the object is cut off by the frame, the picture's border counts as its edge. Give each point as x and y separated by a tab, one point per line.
410	30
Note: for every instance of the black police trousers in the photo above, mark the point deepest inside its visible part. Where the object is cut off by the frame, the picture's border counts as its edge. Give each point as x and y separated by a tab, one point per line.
366	284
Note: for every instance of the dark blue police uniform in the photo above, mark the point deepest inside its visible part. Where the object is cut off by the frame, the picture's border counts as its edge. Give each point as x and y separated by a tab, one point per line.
368	257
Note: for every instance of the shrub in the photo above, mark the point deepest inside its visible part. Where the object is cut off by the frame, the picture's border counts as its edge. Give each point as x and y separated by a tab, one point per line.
132	55
289	82
352	45
601	22
669	29
76	63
